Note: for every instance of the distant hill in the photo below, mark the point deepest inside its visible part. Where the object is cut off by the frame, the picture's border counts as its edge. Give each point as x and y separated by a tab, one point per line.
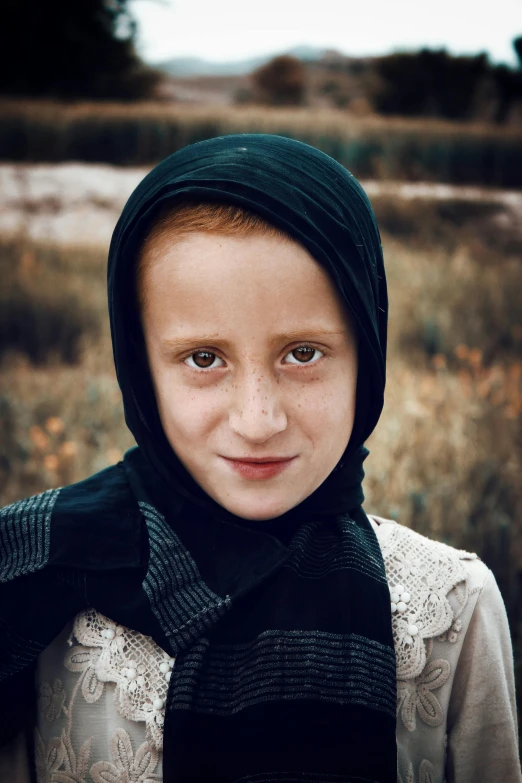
196	66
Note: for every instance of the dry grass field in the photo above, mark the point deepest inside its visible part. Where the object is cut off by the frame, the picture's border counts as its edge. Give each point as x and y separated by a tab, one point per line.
144	133
446	457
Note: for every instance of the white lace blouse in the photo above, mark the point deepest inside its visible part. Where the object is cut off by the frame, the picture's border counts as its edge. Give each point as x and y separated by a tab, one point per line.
102	687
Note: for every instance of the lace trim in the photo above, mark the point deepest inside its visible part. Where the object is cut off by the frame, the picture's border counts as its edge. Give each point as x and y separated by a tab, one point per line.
127	766
416	696
107	652
57	762
427	774
421	573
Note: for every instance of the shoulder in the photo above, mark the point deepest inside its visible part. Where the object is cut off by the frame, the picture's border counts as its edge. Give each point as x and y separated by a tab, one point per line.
434	589
402	543
72	526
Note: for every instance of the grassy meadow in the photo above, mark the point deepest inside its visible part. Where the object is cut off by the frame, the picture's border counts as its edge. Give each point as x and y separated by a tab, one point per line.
144	133
446	457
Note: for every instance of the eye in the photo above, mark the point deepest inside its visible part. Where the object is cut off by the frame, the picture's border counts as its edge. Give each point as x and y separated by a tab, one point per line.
304	354
203	360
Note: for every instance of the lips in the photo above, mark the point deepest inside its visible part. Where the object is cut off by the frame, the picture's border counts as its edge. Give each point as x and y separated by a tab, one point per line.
258	460
258	468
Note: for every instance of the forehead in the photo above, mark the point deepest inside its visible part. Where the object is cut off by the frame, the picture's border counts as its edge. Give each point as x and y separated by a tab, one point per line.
232	280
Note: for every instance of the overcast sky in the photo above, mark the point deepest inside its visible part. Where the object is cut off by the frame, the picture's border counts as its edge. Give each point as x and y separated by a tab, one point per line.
223	30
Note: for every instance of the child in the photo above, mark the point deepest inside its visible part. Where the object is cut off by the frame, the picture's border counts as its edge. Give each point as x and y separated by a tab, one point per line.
218	606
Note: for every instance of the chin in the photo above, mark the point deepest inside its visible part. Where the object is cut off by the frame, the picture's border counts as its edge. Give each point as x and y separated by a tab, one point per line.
259	511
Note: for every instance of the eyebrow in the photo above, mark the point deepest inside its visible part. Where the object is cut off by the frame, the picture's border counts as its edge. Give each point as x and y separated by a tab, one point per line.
179	343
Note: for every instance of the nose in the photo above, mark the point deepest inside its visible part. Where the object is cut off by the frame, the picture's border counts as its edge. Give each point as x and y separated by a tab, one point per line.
257	411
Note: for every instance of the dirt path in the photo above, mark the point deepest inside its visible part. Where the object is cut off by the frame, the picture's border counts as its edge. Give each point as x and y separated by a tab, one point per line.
75	203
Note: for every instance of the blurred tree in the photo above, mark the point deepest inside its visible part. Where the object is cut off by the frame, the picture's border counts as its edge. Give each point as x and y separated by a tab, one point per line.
428	83
435	83
71	49
509	91
282	81
517	45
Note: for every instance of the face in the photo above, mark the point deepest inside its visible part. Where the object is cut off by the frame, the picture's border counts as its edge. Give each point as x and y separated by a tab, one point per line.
254	365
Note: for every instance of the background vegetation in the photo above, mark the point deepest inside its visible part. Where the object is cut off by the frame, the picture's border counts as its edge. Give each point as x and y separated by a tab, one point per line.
144	133
73	50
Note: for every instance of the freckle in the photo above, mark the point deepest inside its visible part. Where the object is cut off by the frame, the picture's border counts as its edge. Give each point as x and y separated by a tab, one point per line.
265	413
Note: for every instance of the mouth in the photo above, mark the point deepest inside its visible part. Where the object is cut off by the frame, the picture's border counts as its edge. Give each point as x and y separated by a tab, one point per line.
258	468
259	460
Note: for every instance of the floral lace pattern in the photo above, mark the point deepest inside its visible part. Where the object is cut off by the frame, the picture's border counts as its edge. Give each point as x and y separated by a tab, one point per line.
58	763
141	670
416	696
101	652
52	699
127	766
427	774
421	573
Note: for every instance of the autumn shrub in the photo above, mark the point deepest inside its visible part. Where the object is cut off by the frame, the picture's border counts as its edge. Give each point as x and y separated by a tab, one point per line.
446	457
483	224
479	306
456	275
44	313
425	222
58	424
281	81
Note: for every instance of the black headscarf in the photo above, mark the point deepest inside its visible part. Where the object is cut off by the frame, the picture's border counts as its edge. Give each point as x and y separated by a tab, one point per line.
313	199
290	677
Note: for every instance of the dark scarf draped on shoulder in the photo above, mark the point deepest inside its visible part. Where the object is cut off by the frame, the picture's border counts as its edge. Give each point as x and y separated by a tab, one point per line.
285	663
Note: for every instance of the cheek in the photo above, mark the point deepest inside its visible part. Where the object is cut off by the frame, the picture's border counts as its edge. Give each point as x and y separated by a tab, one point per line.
333	421
185	413
329	403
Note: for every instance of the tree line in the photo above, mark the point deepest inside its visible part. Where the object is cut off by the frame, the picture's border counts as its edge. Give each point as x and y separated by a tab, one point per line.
427	83
71	49
86	49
